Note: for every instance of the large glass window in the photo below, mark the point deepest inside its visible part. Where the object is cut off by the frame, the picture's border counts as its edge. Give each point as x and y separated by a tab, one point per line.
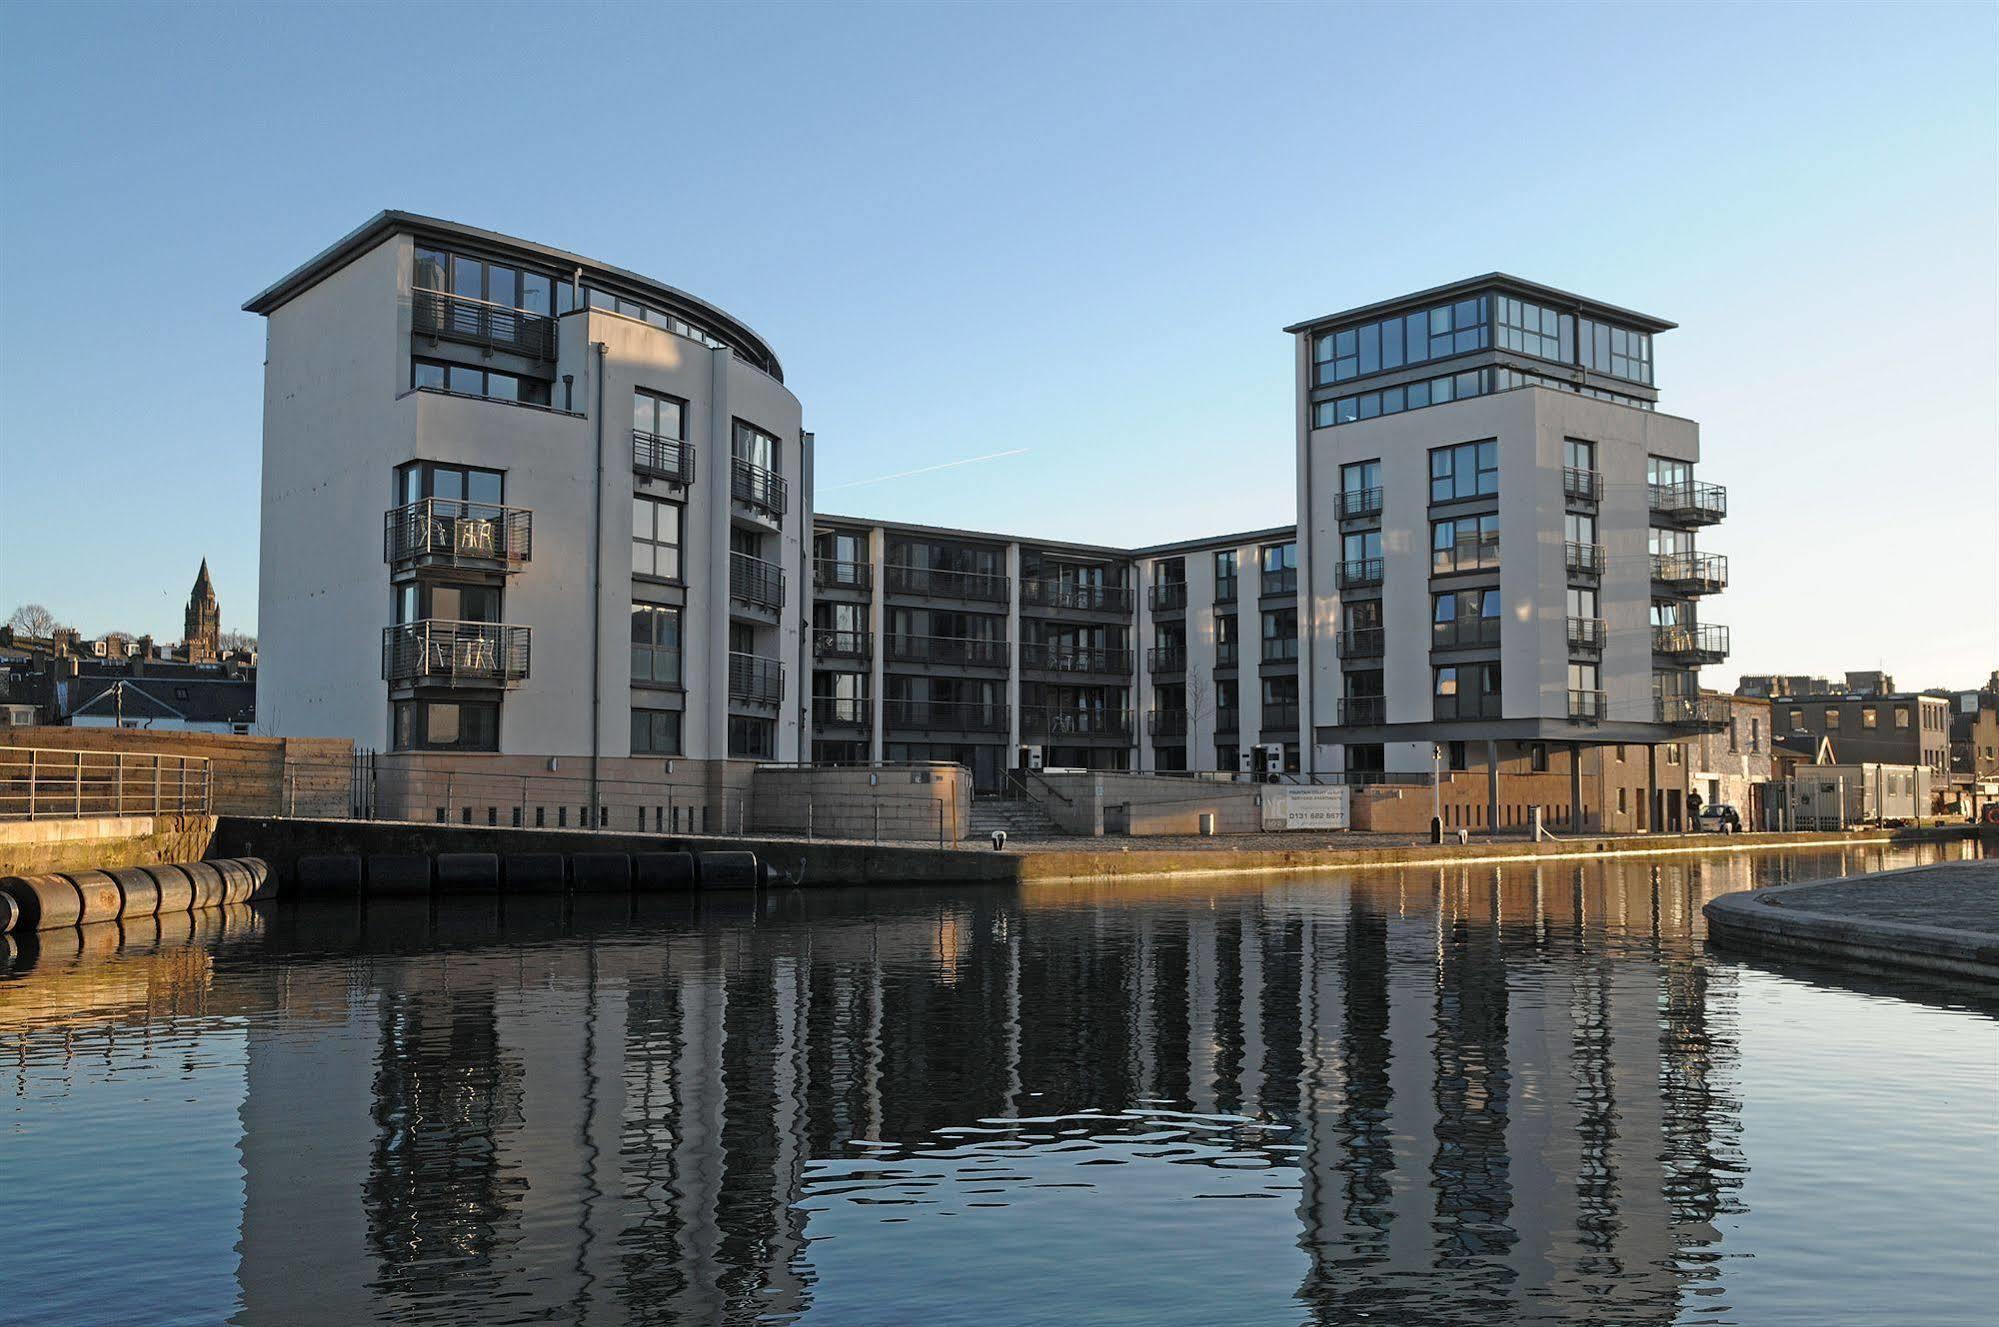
1665	472
1579	528
454	483
1280	634
1359	479
1618	351
755	446
1535	329
429	375
752	738
1578	455
1361	545
1391	343
1468	470
1464	543
656	539
440	725
1409	396
660	415
655	645
1505	380
655	732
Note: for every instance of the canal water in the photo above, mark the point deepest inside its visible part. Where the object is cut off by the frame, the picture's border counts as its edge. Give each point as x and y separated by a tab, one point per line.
1519	1093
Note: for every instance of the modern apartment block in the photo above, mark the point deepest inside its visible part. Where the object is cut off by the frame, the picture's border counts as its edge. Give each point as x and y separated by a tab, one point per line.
1499	533
520	502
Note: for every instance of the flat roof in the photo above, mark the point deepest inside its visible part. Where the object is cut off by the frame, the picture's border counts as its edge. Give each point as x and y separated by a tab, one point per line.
389	222
1472	285
1101	550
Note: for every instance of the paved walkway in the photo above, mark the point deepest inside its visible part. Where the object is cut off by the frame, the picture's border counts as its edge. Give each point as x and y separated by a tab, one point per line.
1941	919
1956	896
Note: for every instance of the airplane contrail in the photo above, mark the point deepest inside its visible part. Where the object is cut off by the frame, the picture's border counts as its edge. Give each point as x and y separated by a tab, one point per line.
926	469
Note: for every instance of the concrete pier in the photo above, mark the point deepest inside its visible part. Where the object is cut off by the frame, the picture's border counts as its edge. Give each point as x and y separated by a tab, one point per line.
1941	919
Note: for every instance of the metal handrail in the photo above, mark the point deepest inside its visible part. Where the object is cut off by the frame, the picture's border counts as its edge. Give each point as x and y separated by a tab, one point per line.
755	678
1057	658
1703	571
828	643
1586	705
1583	559
447	653
843	711
835	574
1166	659
1693	500
1050	721
939	582
1168	596
439	313
463	532
1363	711
1703	639
661	457
755	581
947	715
1586	633
1360	571
1279	715
1166	723
973	651
1357	502
1583	485
56	783
1052	592
1361	643
754	486
1701	713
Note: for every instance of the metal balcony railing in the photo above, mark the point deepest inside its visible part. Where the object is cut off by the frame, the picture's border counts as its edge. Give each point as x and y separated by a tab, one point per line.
438	313
955	716
1168	596
437	652
1166	723
1467	705
938	583
1464	633
1284	581
1581	485
1586	705
1228	719
1052	592
1477	554
1691	573
833	574
1363	711
1049	721
657	457
1586	635
1225	589
45	783
970	651
1692	713
1054	657
1691	643
1278	716
757	488
1166	659
445	530
1358	572
756	582
1583	559
1362	643
1691	503
842	712
1358	502
828	643
756	679
1280	649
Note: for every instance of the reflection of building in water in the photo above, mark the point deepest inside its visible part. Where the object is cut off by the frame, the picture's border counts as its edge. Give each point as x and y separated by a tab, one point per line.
1510	1093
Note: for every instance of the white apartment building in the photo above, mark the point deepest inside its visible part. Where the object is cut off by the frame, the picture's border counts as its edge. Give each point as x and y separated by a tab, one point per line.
518	502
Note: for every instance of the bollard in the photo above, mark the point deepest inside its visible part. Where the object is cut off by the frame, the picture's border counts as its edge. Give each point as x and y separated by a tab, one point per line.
600	872
999	840
329	875
661	871
398	875
534	873
468	872
98	895
209	887
176	889
729	870
139	893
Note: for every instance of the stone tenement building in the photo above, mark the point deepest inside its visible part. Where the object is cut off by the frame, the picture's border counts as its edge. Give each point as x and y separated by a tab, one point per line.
202	625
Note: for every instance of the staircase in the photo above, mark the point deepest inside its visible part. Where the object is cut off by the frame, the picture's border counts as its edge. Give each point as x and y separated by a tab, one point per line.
1019	817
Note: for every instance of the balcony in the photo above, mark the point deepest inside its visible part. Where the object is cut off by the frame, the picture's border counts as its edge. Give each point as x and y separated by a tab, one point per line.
1358	502
1225	654
1166	723
842	712
450	533
439	314
436	652
1359	573
1047	721
760	490
1581	485
938	583
1586	635
1170	597
657	457
1690	503
1465	555
1586	706
1363	711
1465	633
1279	716
1166	659
1228	719
1691	573
965	651
1364	643
1048	592
755	679
1225	589
756	582
953	716
1282	582
1583	560
833	574
1467	705
1699	714
830	644
1280	649
1692	643
1054	657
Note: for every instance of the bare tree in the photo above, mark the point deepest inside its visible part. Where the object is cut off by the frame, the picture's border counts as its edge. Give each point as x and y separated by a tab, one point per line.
33	620
235	640
1200	697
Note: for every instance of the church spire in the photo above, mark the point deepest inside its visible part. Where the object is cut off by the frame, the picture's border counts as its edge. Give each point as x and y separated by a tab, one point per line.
202	629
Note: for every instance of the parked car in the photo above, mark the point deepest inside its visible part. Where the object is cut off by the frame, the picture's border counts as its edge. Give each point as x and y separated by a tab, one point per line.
1720	818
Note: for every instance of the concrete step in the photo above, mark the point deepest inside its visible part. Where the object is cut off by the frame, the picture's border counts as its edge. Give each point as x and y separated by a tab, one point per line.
1018	818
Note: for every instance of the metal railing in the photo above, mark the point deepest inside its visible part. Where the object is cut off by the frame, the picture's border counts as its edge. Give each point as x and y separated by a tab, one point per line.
458	533
1467	705
1363	711
1696	713
834	574
1280	649
1586	634
1464	633
438	652
758	488
1586	705
971	651
1284	581
1166	723
957	716
1476	554
46	783
756	582
1581	485
1583	559
1057	658
1051	592
1358	572
1691	503
1048	721
1357	502
755	678
1166	659
1278	716
939	583
1693	642
1361	643
439	313
658	457
828	643
1692	573
842	712
1168	596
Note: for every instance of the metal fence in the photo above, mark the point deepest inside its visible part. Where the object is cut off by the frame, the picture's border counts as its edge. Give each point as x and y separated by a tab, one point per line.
40	783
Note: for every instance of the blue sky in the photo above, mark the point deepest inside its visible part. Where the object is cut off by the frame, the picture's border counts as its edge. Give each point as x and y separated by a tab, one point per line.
1068	232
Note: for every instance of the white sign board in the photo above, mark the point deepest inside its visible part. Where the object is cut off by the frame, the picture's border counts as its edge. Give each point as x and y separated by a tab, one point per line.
1305	808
